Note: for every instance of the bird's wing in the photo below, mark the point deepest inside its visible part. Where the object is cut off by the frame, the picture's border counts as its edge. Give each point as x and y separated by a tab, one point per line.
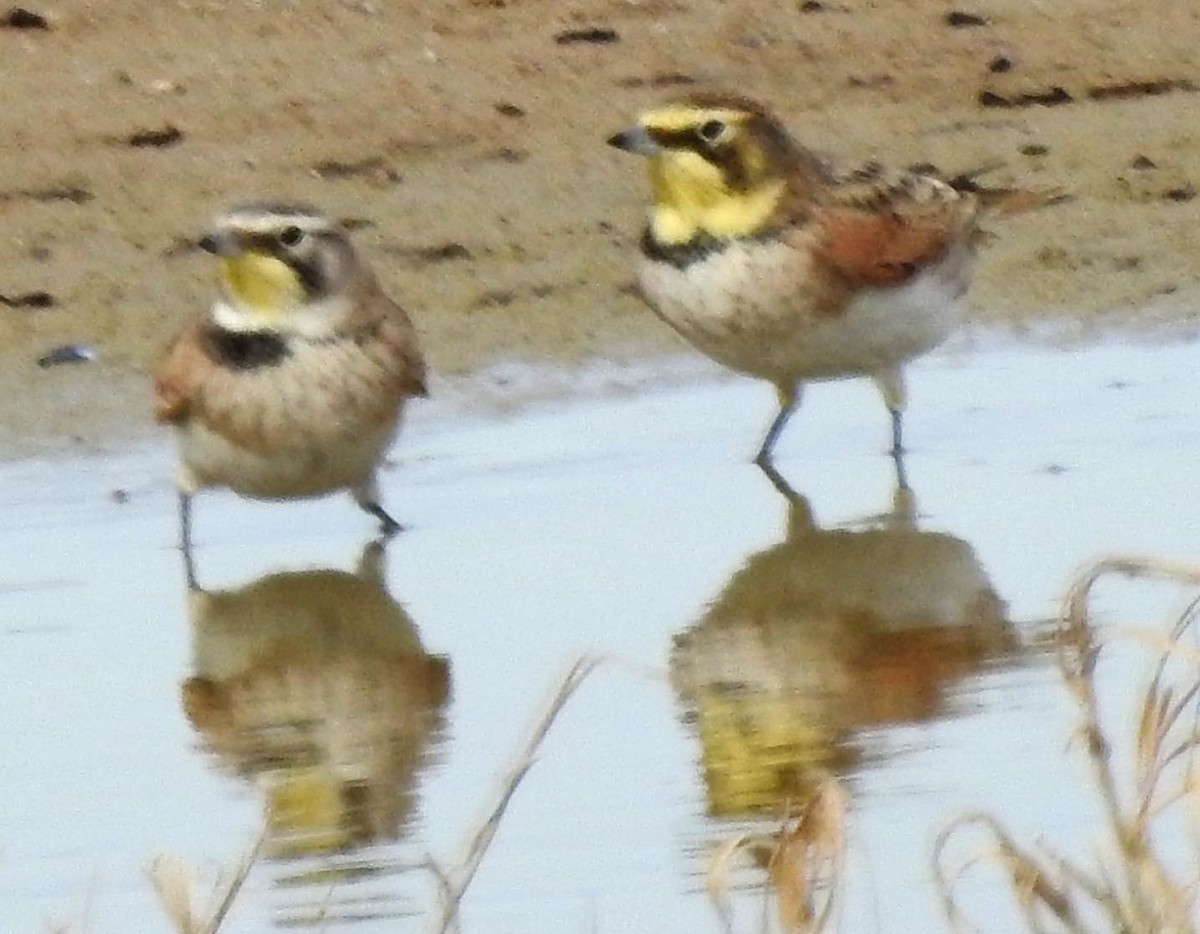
179	374
405	364
874	229
411	374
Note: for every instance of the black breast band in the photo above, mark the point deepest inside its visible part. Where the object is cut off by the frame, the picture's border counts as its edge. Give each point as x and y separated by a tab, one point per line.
245	350
680	255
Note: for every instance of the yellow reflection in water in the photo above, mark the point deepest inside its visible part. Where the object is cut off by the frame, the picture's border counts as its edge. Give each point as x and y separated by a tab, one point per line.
314	687
828	633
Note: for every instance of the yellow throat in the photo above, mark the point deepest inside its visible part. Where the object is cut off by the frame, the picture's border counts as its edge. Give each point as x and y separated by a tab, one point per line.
263	283
692	197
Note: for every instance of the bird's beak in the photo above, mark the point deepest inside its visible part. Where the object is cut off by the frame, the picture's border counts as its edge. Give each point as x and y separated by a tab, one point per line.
635	140
220	243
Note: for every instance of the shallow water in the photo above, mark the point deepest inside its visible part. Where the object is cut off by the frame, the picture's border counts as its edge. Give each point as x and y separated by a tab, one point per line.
369	698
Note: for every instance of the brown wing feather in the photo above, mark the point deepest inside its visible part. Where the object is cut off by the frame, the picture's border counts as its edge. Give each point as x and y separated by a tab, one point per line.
877	230
874	249
397	334
411	373
181	371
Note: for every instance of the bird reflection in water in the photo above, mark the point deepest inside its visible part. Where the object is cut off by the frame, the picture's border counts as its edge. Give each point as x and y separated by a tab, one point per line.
828	634
314	687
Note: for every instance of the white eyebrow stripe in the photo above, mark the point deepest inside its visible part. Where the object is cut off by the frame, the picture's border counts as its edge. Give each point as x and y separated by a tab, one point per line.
262	222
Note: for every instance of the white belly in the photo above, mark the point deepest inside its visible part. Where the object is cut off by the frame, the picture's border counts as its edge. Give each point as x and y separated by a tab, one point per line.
753	309
207	460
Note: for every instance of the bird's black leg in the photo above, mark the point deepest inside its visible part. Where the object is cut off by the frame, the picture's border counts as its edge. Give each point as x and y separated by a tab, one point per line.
897	433
387	525
789	398
890	384
185	521
897	451
367	496
185	539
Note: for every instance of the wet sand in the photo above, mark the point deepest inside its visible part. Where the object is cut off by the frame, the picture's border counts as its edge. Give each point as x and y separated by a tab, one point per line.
465	141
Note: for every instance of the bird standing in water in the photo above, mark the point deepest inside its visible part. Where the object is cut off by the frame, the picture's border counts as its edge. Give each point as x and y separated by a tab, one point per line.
294	381
777	266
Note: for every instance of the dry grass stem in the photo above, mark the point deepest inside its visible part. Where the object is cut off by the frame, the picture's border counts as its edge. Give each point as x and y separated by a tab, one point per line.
175	884
1135	889
803	863
1037	888
453	883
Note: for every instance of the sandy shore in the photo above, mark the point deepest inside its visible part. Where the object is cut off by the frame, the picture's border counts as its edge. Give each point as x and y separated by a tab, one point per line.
465	142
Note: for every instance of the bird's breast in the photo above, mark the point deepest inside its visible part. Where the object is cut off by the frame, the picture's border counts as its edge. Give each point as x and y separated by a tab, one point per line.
768	309
316	421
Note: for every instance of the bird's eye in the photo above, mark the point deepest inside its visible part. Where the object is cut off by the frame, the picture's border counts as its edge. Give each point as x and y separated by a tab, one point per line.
710	130
290	236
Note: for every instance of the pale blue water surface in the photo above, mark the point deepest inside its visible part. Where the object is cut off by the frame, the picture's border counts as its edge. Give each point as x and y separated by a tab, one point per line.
894	643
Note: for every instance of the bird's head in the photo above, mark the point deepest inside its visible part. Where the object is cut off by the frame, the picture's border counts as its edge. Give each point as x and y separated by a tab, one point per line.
719	165
283	268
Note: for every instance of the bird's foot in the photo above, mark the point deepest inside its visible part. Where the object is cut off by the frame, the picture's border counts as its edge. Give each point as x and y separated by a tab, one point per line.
387	525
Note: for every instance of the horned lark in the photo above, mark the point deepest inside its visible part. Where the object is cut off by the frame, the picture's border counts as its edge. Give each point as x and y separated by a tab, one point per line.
777	266
293	383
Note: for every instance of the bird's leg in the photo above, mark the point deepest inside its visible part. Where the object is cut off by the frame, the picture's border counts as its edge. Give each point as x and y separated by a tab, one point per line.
387	525
895	396
185	520
789	398
185	538
367	496
897	432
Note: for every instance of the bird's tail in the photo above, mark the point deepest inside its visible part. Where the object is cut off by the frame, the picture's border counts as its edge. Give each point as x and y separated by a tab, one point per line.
1003	202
